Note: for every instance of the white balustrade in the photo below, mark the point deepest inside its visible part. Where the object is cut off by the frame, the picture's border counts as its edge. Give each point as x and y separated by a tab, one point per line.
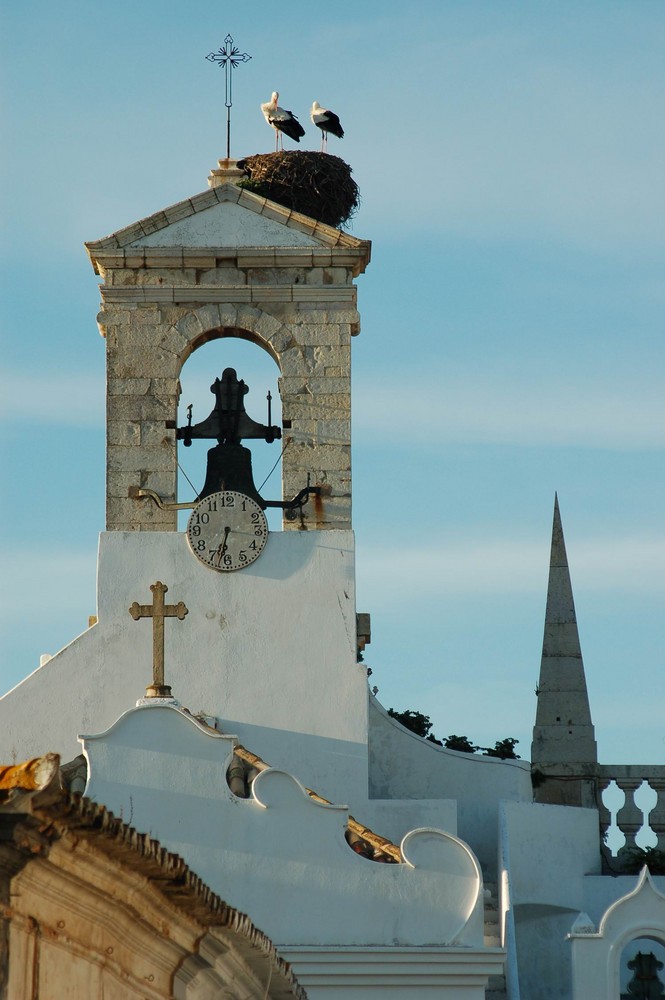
632	817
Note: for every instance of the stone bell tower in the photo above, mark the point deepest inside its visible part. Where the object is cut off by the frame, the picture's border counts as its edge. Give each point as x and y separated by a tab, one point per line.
227	263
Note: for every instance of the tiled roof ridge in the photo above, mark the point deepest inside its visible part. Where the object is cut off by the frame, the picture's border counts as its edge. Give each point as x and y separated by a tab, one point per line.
66	811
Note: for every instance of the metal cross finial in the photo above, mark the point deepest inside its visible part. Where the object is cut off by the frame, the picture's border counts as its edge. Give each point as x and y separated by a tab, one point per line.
228	58
158	611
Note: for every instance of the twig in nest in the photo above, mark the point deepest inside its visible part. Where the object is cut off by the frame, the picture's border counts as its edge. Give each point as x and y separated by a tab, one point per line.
316	184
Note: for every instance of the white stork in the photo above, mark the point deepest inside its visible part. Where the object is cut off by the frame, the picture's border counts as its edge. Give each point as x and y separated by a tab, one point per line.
327	121
281	120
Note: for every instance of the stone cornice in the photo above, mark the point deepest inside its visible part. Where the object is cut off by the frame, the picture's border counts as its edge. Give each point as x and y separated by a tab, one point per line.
141	258
414	968
237	293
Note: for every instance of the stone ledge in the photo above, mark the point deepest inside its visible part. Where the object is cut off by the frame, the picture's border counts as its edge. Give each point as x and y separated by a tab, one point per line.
414	968
138	257
339	294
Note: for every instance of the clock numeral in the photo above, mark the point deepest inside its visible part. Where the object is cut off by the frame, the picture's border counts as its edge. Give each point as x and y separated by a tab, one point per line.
220	524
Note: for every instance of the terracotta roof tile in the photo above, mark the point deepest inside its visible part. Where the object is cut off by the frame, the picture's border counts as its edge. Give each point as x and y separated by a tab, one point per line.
32	790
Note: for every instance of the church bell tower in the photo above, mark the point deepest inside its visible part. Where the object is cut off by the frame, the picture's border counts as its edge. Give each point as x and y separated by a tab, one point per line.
254	630
227	263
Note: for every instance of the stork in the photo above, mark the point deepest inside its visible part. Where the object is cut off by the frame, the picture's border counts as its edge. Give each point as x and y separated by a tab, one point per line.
282	121
327	121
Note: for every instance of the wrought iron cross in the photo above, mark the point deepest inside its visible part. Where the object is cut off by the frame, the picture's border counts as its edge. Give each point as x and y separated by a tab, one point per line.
158	611
228	58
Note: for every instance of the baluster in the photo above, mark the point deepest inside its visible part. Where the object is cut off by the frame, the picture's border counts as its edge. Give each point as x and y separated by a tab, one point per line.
630	817
656	818
604	814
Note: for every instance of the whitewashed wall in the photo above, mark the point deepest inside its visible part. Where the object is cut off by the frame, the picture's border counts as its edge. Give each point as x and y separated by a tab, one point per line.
282	858
426	771
269	651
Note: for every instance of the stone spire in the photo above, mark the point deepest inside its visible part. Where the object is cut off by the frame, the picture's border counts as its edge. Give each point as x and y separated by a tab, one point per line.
564	745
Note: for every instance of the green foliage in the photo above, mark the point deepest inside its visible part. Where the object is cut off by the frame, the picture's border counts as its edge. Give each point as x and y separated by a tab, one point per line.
421	725
505	749
633	860
415	721
460	743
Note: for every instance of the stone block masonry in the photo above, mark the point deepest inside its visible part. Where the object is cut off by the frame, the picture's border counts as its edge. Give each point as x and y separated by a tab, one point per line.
160	303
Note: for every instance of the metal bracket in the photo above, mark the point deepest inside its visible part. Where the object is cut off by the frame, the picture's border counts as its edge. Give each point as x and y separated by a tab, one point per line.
299	500
139	493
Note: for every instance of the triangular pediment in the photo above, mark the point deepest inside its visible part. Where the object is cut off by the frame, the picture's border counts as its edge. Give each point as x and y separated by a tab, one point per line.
226	216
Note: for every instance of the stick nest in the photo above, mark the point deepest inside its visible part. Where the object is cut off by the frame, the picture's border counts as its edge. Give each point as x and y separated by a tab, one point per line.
316	184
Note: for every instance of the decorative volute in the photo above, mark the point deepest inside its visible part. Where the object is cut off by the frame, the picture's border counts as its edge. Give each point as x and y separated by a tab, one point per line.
563	745
227	263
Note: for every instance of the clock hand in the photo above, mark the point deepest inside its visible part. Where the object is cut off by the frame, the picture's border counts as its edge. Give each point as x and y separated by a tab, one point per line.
221	549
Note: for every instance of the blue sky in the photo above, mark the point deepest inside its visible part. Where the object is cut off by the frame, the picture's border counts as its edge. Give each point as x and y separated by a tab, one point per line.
510	161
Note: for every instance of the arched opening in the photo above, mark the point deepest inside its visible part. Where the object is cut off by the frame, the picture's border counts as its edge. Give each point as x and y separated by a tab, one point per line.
211	354
641	970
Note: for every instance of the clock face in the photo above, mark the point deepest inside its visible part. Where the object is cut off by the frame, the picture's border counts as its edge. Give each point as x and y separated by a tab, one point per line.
227	531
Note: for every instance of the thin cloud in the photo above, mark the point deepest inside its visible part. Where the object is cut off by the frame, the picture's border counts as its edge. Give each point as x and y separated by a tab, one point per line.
533	142
68	400
71	576
633	564
471	409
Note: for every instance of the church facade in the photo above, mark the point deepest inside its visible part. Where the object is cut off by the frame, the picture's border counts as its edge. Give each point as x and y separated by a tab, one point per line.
373	860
